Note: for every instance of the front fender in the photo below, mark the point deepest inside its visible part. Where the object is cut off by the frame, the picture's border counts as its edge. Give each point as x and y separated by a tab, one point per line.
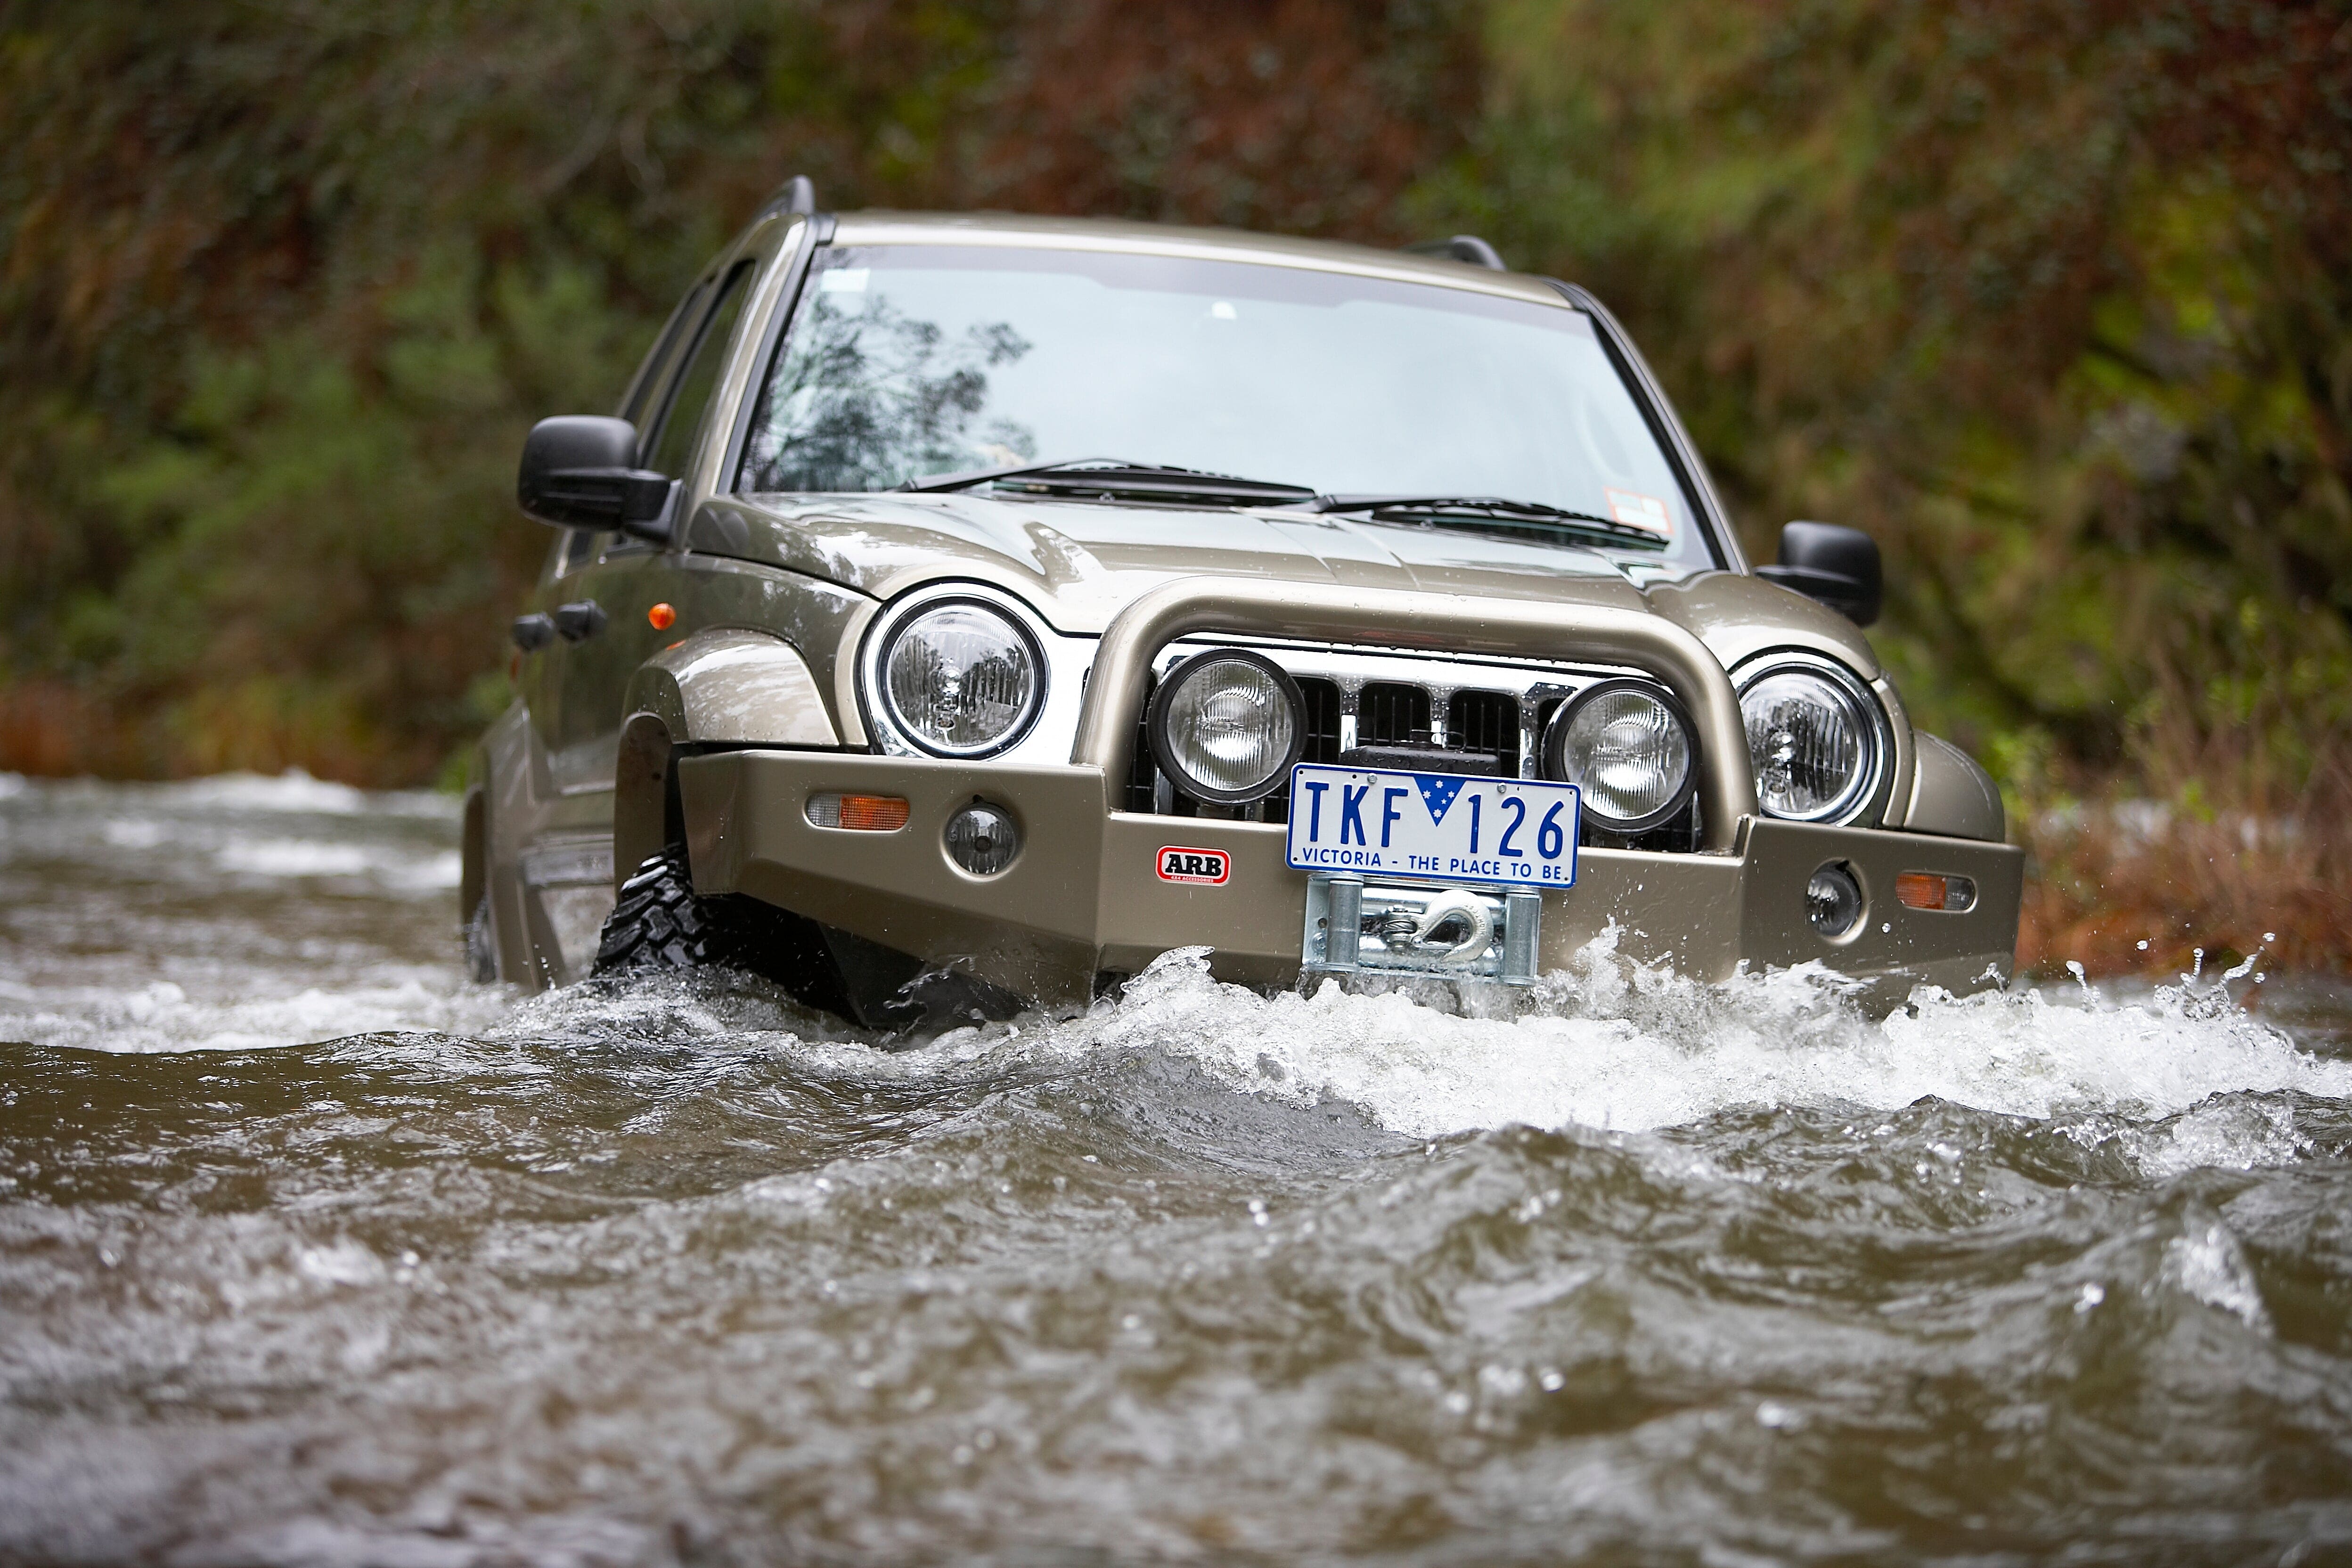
723	687
732	687
1952	796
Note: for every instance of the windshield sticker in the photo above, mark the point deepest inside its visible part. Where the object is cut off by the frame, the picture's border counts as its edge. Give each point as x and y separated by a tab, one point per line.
1640	511
843	280
1210	867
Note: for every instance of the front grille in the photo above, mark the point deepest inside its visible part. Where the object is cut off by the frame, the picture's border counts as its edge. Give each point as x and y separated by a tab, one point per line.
1486	722
1373	701
1143	774
1389	713
1322	738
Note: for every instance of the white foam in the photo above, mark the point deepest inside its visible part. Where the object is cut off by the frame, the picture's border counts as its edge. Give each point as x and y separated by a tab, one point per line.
162	1018
2231	1134
344	1262
2208	1264
293	790
397	871
1620	1046
425	874
293	858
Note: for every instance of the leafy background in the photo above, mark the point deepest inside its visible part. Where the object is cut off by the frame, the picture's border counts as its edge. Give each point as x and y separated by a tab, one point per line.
2055	296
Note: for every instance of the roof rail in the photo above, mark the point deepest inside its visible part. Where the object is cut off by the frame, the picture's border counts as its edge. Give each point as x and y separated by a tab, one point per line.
796	197
1467	247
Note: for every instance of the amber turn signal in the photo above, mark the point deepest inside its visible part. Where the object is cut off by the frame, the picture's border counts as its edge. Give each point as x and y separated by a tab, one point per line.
662	617
1928	890
858	812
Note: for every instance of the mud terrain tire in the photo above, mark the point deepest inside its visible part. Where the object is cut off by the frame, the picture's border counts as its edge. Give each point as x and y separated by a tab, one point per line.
659	922
481	945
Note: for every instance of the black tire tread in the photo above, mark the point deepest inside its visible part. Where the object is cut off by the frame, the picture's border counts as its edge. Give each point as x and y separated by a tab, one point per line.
481	945
659	922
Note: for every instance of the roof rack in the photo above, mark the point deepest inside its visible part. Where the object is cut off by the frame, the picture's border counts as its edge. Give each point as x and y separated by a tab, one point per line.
796	197
1467	247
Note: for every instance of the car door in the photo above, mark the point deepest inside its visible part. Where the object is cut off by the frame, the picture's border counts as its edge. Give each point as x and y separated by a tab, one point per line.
540	681
628	576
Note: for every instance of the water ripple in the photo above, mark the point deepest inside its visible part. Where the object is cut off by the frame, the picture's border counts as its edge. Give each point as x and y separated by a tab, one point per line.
310	1254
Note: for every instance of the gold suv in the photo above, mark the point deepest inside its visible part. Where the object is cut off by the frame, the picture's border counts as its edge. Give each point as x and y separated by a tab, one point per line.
960	611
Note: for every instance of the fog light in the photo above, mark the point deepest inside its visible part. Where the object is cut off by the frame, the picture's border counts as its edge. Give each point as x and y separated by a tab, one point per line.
1227	725
982	839
1833	902
1627	747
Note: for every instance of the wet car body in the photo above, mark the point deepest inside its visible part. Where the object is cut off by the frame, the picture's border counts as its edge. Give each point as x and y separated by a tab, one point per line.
704	682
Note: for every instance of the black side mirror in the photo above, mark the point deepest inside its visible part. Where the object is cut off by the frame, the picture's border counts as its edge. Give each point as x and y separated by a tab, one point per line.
1839	567
579	471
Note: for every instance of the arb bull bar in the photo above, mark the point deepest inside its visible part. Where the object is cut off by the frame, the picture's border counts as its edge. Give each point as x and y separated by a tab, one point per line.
1084	895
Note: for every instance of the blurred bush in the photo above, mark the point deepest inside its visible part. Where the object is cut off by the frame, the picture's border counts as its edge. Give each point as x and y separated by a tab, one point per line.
2052	296
2055	296
284	285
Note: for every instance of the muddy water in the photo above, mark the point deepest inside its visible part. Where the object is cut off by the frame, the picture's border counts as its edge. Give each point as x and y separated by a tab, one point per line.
310	1254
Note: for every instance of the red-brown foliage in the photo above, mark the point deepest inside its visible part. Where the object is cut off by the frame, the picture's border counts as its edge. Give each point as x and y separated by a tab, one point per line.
1298	116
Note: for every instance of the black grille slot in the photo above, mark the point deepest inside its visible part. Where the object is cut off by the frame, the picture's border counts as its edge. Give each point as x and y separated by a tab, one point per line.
1486	722
1144	772
1322	739
1389	714
1677	835
1544	711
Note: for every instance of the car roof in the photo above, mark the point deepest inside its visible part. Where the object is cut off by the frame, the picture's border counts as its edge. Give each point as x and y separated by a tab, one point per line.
1115	236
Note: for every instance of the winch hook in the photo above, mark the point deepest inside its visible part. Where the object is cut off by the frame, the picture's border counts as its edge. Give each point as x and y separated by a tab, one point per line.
1403	931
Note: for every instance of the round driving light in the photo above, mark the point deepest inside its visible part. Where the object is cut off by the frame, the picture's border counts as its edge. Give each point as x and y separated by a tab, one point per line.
961	679
1814	745
1226	726
1627	749
982	839
1833	901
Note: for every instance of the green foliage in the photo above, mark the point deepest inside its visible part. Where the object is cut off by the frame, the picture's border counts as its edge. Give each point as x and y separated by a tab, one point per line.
304	517
2054	299
285	285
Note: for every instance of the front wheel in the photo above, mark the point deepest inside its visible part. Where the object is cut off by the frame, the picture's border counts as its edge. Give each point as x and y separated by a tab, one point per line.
659	921
481	944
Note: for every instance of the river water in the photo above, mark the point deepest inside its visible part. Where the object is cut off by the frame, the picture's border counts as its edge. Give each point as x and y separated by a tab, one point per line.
311	1254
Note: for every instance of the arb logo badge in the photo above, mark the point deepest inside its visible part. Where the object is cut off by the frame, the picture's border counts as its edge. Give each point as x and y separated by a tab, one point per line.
1208	865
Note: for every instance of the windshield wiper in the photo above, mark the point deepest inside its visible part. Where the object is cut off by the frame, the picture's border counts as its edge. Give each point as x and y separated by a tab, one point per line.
1115	476
1493	512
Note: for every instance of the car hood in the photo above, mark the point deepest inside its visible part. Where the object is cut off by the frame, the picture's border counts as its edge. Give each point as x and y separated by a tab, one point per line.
1080	563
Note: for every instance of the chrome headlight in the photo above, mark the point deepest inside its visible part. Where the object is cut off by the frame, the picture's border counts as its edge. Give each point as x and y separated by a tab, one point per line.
1226	726
1627	748
960	678
1813	738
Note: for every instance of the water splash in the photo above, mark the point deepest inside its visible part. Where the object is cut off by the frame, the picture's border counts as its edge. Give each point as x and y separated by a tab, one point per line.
1609	1044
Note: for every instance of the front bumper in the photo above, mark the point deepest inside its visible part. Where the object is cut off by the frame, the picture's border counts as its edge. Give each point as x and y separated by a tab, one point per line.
1084	896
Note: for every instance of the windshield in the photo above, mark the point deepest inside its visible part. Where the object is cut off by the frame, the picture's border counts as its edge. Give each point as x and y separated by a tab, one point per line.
908	361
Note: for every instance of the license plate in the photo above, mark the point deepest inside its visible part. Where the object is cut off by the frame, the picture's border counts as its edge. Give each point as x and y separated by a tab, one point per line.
1444	827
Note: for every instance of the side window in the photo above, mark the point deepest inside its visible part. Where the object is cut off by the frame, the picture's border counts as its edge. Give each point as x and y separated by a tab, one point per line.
675	438
645	391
